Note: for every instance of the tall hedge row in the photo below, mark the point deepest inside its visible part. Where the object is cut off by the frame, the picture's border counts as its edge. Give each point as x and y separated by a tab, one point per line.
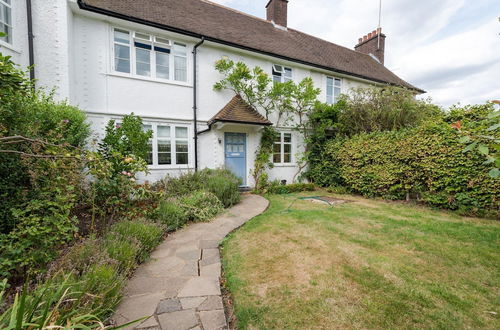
426	162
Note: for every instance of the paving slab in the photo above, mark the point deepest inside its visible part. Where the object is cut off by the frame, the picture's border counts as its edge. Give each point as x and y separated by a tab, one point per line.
179	287
213	320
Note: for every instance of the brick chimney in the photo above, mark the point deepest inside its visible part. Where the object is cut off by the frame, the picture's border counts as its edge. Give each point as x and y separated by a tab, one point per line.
277	12
371	44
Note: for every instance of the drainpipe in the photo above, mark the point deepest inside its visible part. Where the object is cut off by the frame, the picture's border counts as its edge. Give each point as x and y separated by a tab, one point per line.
30	40
195	103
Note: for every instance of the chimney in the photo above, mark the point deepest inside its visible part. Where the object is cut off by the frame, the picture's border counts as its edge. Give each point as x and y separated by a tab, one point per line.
372	44
277	12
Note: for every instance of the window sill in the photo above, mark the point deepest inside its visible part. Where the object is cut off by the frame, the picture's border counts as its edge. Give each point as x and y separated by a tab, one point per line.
285	165
159	81
9	47
170	167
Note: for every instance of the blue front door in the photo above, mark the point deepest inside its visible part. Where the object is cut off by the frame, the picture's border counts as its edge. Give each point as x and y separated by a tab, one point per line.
236	154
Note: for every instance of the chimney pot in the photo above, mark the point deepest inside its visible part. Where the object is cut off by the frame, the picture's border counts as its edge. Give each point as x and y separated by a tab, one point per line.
277	12
360	40
374	33
365	38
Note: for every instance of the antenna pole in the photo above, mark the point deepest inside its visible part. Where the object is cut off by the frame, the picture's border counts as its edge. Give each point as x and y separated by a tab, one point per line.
379	21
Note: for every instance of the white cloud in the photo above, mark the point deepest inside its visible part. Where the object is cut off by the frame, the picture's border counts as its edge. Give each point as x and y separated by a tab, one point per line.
449	48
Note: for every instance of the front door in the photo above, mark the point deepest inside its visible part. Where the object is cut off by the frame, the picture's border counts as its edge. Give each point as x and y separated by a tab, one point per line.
236	154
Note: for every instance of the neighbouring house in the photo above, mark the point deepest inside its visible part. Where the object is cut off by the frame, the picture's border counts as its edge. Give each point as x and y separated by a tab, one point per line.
156	58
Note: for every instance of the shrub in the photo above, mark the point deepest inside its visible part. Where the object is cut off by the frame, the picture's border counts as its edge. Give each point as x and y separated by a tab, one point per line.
277	188
427	162
123	251
220	182
171	214
376	109
147	234
201	205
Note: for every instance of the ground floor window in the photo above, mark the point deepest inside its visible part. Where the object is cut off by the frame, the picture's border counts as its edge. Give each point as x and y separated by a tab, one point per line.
169	145
283	148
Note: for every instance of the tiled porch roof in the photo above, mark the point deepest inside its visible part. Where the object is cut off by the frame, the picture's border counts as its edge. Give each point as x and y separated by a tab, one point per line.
238	111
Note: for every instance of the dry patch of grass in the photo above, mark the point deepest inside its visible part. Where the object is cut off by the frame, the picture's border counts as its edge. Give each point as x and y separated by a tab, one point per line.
366	264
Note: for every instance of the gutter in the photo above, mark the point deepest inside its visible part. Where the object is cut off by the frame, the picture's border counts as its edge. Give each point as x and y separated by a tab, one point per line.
105	12
30	40
195	103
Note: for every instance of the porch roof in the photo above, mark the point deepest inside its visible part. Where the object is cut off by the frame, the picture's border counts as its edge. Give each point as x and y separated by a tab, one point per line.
238	111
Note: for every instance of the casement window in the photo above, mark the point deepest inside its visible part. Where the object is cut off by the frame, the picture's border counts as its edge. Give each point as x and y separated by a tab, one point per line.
281	74
333	89
6	20
145	55
169	144
282	152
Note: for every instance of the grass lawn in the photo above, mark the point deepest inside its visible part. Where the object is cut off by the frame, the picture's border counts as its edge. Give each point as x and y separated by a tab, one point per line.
365	264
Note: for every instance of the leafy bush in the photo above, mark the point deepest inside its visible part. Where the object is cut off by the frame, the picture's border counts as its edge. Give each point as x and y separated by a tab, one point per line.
201	205
147	234
220	182
171	214
123	251
375	109
427	162
277	188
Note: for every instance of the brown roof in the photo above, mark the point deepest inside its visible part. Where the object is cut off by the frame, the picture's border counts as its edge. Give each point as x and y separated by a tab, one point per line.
238	111
201	18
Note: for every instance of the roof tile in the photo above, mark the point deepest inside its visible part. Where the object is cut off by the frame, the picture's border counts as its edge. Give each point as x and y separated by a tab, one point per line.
238	111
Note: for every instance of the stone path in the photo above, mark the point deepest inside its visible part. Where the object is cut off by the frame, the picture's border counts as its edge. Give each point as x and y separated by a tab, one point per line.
179	287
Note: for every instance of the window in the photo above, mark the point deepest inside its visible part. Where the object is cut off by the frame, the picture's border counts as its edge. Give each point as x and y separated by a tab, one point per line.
333	89
150	55
6	20
169	145
281	73
282	153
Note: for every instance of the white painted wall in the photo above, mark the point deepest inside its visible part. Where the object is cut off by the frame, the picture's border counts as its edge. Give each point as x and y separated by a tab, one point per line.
74	54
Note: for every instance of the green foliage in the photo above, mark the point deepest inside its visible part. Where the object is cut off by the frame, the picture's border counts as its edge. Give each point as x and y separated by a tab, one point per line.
375	109
277	188
426	161
263	158
13	80
482	133
171	214
201	205
125	140
220	182
147	234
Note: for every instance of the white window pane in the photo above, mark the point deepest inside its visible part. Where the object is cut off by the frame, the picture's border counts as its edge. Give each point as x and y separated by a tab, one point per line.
179	49
5	14
181	132
337	92
143	62
163	131
146	128
164	158
181	146
288	72
287	148
122	36
180	65
142	36
338	82
164	146
287	137
122	65
7	1
276	158
182	158
287	158
276	78
122	52
162	65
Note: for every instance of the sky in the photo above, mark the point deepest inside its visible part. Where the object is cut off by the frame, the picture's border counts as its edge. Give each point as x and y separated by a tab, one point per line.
449	48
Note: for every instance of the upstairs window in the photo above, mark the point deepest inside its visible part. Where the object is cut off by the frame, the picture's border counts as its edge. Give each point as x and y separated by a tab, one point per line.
169	144
6	20
150	56
333	89
282	153
281	74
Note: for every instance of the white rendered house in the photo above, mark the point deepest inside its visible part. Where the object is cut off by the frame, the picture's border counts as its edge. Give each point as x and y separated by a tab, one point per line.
156	59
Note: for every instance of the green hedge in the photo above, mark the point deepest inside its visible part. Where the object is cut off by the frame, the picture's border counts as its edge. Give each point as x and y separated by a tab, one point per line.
427	162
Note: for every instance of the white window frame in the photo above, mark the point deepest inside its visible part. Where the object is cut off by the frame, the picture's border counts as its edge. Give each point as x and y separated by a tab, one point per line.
332	99
281	69
173	142
7	39
282	144
153	41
